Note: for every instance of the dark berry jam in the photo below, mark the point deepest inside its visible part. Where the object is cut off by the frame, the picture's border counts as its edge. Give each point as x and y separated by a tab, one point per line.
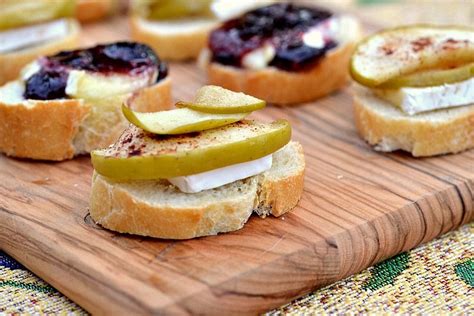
282	24
46	85
122	57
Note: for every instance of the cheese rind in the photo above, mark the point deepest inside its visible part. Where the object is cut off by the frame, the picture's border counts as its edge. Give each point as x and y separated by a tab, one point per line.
417	100
219	177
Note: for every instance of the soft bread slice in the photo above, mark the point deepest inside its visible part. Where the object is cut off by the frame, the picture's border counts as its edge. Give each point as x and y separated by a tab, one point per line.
425	134
61	129
38	129
92	10
12	63
173	40
283	87
159	209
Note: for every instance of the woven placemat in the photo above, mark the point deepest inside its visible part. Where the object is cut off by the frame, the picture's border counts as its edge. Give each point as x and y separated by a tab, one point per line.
435	278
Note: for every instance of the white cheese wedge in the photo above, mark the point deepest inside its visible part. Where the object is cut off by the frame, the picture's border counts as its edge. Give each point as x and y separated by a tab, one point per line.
93	86
416	100
229	9
259	58
19	38
178	26
219	177
314	38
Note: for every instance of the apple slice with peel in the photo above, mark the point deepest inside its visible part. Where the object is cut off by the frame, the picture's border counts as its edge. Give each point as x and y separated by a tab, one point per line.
430	78
178	121
214	99
141	155
14	13
406	50
171	9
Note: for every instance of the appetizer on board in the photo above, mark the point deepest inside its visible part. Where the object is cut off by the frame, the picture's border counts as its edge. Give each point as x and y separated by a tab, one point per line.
282	53
414	89
197	170
70	103
179	29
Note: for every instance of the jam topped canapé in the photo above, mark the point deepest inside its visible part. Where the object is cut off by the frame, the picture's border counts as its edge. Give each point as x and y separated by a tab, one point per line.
282	26
117	58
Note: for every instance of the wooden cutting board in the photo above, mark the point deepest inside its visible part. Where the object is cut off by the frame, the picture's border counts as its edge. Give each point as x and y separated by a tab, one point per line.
358	208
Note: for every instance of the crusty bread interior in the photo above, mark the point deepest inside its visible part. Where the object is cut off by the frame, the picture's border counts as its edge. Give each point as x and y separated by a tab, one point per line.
158	209
387	128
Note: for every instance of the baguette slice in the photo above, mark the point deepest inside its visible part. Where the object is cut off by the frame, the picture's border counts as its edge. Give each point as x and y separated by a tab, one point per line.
283	87
60	129
158	209
425	134
11	63
173	40
93	10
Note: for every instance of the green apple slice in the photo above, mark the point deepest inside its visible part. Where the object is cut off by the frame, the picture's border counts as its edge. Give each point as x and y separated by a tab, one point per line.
406	50
14	13
430	78
141	155
171	9
214	99
179	121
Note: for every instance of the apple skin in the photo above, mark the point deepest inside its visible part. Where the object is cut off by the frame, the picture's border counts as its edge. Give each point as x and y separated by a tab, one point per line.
16	13
409	49
431	78
173	156
215	99
179	121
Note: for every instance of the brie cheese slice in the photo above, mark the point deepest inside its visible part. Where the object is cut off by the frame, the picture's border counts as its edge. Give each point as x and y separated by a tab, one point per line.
259	58
219	177
19	38
92	86
416	100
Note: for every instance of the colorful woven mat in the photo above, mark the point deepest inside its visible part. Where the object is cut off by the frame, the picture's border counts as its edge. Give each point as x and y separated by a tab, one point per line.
435	278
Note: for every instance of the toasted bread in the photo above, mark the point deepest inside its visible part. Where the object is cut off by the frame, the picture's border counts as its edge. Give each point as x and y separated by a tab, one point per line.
158	209
173	40
425	134
61	129
93	10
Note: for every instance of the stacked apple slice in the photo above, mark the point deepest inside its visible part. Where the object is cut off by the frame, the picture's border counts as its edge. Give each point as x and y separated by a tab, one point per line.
206	134
415	89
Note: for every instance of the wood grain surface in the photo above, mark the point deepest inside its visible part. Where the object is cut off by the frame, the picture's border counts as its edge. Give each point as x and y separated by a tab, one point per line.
358	208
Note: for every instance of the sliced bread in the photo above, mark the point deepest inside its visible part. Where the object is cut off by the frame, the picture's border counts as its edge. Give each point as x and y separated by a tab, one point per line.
61	129
158	209
425	134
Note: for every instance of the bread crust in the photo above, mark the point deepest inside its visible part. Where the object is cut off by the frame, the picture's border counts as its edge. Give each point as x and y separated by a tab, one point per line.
28	132
12	63
116	208
281	195
47	130
92	10
177	47
420	137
